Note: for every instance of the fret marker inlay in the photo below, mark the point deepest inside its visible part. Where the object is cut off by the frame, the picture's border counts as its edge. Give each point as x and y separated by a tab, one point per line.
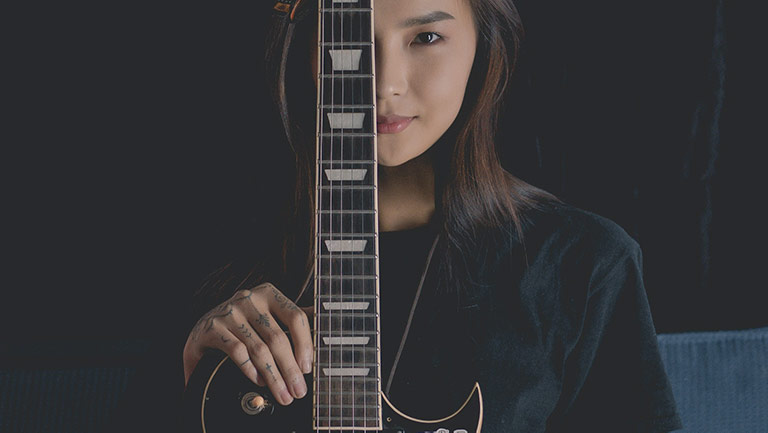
351	245
346	371
346	305
345	340
335	175
346	120
346	60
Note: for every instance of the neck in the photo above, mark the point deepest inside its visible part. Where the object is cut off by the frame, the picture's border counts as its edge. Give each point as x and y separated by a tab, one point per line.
406	194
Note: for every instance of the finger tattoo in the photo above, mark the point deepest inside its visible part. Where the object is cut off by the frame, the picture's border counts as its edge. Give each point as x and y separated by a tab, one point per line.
269	369
263	319
245	331
282	301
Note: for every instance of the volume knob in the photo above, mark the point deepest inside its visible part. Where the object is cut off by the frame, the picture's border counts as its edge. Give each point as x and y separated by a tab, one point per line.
254	403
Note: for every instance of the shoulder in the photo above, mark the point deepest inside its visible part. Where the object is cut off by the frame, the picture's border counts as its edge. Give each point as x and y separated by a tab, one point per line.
565	227
577	247
588	248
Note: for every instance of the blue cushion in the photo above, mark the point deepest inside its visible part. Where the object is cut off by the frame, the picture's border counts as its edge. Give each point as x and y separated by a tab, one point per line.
720	379
60	400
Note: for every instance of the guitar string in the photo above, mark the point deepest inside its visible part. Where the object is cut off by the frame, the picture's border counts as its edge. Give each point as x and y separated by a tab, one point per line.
321	49
339	15
354	100
363	229
342	16
318	215
341	220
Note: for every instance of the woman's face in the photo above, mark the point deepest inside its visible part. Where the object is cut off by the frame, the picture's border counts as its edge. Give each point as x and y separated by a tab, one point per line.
424	54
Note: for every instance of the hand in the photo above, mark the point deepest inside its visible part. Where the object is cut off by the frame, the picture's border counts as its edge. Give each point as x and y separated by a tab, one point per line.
244	328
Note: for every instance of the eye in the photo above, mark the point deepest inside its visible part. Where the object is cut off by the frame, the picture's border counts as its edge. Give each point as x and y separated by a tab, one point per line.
427	38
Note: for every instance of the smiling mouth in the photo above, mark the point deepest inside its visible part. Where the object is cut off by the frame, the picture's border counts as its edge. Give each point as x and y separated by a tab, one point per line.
392	124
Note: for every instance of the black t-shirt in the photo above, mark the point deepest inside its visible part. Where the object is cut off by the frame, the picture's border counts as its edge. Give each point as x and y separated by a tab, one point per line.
402	255
558	333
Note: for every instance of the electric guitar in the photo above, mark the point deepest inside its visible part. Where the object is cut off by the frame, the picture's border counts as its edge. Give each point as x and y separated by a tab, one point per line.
347	393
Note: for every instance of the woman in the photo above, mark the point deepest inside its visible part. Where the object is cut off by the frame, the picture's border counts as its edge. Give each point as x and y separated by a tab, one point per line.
483	278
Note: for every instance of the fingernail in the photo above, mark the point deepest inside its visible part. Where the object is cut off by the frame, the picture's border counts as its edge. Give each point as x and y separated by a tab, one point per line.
299	387
285	396
306	366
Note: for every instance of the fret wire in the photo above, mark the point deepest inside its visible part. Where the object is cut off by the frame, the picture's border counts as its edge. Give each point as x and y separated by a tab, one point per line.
346	161
335	333
346	44
348	134
348	380
347	235
347	256
345	75
349	106
343	9
348	277
350	187
348	349
331	298
351	212
351	315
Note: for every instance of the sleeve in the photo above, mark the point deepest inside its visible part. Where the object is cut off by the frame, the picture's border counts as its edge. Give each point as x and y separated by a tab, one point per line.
614	378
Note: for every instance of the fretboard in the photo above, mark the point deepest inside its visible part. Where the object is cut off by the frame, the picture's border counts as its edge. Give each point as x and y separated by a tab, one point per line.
347	361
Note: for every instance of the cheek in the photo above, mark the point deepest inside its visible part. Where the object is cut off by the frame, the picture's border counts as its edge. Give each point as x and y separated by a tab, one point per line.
441	86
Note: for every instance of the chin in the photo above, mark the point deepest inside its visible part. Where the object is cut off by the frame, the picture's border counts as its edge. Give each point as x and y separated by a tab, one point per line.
391	162
388	156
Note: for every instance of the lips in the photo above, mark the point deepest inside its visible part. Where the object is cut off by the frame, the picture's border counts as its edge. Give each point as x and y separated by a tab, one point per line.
392	124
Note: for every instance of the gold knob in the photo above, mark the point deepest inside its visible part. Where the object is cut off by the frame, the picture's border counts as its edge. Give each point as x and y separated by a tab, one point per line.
257	402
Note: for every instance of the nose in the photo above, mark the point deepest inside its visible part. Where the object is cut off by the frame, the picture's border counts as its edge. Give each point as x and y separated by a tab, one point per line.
391	73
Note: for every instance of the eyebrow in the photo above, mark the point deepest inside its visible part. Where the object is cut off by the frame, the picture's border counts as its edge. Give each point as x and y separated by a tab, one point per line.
426	19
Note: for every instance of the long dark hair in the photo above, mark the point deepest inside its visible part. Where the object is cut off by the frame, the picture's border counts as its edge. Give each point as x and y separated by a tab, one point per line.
476	198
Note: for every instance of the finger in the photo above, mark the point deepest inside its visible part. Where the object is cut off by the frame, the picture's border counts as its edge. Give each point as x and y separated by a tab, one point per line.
261	356
298	325
207	333
191	358
309	311
240	355
214	337
254	305
283	354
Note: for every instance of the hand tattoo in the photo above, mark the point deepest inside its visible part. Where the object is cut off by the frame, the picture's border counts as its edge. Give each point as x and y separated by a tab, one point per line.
205	323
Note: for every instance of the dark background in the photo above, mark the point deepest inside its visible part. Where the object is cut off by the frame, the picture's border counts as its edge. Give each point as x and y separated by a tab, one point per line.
135	149
137	155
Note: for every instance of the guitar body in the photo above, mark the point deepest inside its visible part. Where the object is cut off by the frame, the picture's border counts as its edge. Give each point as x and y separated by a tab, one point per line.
218	392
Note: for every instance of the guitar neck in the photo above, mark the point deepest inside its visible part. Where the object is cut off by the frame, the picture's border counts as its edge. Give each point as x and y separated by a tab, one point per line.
347	391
